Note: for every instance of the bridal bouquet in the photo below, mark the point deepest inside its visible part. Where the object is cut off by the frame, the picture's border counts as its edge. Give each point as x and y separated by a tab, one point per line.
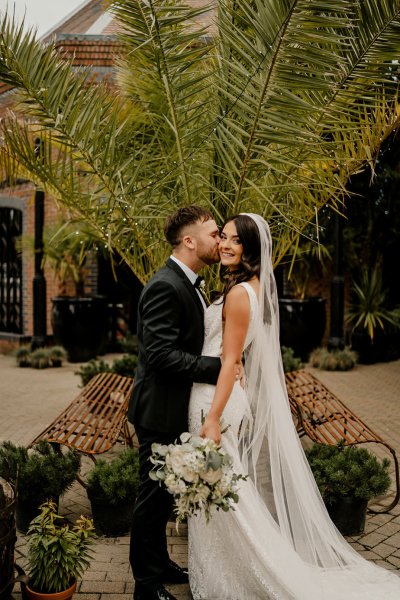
198	473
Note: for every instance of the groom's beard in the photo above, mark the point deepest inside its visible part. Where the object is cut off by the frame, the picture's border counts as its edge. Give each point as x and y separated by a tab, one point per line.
210	257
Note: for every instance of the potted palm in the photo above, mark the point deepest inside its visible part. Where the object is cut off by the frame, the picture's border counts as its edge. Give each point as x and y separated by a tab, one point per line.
111	488
302	313
38	473
348	478
370	317
79	321
58	554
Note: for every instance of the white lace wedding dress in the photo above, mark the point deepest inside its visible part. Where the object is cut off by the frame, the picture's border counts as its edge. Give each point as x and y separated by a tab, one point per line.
242	554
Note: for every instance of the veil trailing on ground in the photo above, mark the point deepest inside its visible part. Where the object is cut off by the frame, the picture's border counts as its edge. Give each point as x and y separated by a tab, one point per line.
273	456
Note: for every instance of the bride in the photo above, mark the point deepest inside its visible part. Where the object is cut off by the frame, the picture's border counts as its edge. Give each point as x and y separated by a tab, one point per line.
279	543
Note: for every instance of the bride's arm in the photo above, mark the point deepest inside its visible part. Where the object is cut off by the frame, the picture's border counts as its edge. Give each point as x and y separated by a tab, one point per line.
237	317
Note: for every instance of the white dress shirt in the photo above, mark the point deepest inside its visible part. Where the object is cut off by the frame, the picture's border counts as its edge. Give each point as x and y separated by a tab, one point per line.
191	275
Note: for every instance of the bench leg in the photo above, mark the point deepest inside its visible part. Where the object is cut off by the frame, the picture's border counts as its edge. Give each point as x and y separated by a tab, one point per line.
397	496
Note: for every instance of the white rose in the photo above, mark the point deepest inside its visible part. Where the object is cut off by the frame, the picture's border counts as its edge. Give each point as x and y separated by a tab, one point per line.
175	459
211	476
189	475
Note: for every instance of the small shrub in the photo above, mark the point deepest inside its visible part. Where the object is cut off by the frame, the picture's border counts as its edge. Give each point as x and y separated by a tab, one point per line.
90	369
40	358
23	356
289	360
115	482
348	471
43	472
333	360
56	356
125	366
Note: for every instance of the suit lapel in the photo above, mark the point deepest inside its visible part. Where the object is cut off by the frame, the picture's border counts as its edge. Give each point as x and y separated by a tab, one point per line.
175	267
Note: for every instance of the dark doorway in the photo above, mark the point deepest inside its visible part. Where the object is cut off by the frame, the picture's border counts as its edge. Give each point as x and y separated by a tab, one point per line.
122	288
10	271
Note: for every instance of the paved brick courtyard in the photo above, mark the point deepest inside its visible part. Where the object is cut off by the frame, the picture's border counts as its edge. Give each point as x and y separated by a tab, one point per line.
31	399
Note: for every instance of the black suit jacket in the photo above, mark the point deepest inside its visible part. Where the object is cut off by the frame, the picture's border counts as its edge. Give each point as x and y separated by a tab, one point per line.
170	336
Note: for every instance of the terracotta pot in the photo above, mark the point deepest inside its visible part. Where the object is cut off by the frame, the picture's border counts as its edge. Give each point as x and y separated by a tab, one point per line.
29	594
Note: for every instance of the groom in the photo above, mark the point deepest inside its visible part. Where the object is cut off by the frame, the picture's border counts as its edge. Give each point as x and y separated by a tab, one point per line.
170	335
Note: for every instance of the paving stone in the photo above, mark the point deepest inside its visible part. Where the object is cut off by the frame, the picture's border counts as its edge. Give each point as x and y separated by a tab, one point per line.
95	575
102	586
116	575
369	555
115	597
389	529
129	587
394	560
394	540
372	539
384	550
384	564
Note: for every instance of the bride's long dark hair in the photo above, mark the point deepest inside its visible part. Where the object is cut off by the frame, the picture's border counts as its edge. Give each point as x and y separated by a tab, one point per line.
249	266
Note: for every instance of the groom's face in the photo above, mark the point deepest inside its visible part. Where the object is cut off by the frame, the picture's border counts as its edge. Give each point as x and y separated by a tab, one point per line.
205	239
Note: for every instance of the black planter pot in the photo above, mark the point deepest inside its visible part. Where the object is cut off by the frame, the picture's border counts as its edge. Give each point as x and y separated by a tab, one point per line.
348	514
111	519
80	326
8	538
28	510
302	324
384	347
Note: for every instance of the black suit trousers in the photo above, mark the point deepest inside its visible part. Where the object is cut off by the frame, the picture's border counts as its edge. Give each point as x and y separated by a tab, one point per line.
148	547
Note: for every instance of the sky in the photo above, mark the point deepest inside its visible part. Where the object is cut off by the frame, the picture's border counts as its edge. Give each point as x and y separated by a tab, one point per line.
43	14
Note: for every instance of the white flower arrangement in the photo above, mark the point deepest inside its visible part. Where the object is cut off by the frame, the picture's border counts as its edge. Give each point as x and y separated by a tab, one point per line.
198	473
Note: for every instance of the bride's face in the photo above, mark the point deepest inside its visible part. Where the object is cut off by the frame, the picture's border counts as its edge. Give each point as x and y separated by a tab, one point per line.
230	247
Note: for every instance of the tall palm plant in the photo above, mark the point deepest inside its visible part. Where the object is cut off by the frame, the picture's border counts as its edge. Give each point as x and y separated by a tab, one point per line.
269	110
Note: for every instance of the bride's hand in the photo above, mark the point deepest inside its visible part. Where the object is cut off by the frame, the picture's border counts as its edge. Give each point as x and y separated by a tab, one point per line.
211	429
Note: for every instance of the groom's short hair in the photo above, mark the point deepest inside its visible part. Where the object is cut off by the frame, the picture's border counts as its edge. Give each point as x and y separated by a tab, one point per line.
187	215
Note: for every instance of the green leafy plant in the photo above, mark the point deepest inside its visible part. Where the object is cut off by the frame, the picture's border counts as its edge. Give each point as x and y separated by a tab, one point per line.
306	261
225	124
67	244
57	355
39	472
90	369
58	553
368	311
115	482
348	471
125	366
23	356
289	360
333	360
40	358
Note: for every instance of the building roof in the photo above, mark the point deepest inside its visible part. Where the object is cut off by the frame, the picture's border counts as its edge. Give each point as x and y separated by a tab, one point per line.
88	36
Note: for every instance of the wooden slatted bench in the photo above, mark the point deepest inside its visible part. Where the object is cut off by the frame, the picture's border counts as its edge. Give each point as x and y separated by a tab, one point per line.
96	419
326	420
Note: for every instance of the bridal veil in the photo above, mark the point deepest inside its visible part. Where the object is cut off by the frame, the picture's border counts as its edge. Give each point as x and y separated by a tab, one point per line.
273	456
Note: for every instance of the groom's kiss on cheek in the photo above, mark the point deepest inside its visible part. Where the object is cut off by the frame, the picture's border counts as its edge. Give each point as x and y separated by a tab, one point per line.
204	240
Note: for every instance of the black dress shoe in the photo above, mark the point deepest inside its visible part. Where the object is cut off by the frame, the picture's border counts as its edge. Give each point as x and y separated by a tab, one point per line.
175	574
158	593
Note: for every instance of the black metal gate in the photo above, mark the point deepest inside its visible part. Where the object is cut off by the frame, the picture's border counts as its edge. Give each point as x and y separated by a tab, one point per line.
10	271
